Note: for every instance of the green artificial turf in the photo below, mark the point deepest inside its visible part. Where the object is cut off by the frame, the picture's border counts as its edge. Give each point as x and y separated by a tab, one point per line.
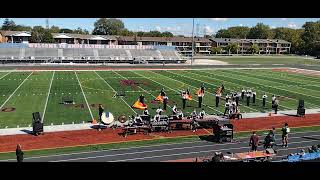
99	87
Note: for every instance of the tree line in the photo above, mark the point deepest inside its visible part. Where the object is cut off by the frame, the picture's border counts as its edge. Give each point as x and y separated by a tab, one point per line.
305	40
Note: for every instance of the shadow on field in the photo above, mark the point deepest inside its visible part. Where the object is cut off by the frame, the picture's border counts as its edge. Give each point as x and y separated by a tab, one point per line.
209	138
97	126
27	131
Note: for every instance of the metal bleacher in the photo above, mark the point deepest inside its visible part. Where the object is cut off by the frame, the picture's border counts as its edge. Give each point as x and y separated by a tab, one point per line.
23	53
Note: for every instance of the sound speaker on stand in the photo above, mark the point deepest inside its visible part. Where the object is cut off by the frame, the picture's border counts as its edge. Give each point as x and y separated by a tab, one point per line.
37	125
301	111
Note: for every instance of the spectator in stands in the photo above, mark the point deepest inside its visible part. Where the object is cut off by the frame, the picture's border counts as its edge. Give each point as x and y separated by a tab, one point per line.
254	141
285	131
19	153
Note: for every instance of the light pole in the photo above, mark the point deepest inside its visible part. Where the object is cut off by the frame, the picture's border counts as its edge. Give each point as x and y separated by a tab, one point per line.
192	41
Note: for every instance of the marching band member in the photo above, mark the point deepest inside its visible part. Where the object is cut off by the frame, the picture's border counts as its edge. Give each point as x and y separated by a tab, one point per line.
141	98
202	114
254	96
184	99
146	112
162	93
159	111
138	120
242	93
202	88
194	114
222	86
188	91
237	98
165	102
218	95
273	99
226	108
276	104
264	97
248	98
156	118
200	96
174	110
234	106
227	97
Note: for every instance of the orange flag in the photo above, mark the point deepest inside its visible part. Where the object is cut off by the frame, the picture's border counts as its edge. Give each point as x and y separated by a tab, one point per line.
159	98
139	105
189	97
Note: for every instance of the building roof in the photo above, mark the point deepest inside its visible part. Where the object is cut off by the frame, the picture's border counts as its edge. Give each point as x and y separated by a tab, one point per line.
83	36
162	39
15	33
230	40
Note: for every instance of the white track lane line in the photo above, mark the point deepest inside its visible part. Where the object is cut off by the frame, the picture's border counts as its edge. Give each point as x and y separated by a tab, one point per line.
45	106
15	90
157	145
115	92
176	90
195	152
85	98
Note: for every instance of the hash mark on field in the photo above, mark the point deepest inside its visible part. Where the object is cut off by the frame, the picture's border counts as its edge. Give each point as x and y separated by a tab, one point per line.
15	90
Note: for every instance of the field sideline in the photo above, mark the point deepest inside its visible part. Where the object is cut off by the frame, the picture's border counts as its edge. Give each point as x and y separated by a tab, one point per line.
24	92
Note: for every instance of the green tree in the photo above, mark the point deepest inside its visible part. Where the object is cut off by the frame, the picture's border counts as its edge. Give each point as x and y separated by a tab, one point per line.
223	33
80	31
22	28
311	37
167	34
291	35
41	35
8	25
253	49
215	50
239	32
153	34
106	26
65	30
140	33
260	31
126	32
232	48
54	29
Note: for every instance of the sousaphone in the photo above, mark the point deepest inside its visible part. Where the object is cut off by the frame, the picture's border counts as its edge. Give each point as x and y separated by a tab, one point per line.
122	118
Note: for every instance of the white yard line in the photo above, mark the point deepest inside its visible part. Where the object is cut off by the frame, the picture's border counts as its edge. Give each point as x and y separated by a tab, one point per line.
275	82
237	85
176	90
45	106
85	98
115	91
208	83
15	90
265	86
6	74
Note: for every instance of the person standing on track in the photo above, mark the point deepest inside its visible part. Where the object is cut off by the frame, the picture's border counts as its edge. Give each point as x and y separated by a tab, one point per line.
254	141
285	131
101	110
237	98
276	105
226	108
19	153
